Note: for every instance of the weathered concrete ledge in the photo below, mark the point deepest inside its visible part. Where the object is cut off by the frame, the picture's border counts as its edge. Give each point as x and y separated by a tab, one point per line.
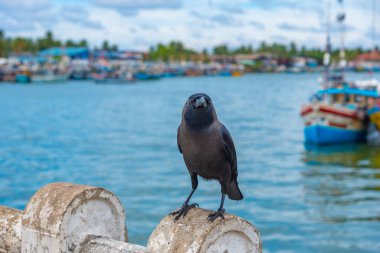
195	234
65	217
10	229
100	244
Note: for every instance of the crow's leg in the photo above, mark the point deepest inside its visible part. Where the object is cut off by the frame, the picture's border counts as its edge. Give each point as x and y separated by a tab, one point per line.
186	207
220	211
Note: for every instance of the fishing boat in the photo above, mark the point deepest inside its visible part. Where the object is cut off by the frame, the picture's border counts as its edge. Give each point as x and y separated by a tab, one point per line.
193	71
225	72
145	75
337	115
8	75
373	131
80	69
47	76
22	77
373	114
123	78
237	73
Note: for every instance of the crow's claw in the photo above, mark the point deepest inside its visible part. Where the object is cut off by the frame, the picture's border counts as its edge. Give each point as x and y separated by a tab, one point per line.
183	211
215	215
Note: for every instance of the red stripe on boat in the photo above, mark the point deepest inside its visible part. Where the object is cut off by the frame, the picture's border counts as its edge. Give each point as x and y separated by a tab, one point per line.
337	125
306	110
339	113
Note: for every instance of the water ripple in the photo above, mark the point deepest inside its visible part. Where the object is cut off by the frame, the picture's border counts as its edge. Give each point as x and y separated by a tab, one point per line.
302	198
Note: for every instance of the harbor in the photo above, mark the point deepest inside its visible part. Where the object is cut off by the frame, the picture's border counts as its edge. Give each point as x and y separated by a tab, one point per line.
342	111
58	64
197	127
107	136
21	62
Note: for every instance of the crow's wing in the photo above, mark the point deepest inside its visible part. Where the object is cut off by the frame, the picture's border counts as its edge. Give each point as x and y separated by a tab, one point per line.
229	149
179	146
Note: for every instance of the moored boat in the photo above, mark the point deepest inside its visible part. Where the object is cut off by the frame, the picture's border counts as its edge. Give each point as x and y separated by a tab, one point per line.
113	77
326	124
193	72
225	72
113	81
43	77
144	75
8	76
337	115
22	78
373	131
237	73
374	116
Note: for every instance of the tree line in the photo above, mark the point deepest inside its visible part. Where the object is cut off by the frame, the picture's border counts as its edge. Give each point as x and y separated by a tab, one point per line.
174	50
19	45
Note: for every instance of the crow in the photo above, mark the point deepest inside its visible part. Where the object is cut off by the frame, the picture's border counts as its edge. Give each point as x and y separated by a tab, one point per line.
208	151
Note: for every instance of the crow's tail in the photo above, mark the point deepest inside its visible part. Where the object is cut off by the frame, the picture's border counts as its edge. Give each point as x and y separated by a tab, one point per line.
233	191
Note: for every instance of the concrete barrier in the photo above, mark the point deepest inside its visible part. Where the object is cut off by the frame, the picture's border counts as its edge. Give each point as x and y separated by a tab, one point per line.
195	234
65	217
10	229
97	244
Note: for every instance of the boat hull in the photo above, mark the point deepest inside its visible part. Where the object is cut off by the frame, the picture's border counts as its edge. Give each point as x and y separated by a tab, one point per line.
374	116
373	135
318	134
49	78
332	124
113	81
21	78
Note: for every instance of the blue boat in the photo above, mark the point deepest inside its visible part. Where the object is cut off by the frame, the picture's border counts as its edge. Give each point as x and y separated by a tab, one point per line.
373	132
22	78
337	115
225	72
143	75
321	135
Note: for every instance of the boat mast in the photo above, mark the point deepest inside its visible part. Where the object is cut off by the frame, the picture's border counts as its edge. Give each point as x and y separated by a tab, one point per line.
342	55
326	56
374	24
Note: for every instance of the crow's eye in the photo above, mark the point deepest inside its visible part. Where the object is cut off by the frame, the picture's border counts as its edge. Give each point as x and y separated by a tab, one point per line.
192	101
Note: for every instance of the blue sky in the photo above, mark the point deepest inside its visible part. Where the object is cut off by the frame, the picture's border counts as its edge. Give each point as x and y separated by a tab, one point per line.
138	24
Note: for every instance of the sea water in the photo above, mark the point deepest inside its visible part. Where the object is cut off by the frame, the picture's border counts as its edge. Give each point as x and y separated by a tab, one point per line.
302	198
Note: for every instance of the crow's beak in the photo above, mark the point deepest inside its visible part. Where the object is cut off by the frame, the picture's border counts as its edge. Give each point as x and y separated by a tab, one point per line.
200	102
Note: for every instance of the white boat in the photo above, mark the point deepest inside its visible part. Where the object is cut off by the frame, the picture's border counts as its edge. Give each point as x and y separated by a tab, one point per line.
49	77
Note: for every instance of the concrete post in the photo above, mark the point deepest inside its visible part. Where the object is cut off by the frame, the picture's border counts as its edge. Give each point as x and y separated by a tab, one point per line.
96	244
61	215
64	217
10	229
194	234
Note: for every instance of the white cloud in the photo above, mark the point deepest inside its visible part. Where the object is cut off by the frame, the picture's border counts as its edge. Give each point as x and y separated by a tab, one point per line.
131	7
197	23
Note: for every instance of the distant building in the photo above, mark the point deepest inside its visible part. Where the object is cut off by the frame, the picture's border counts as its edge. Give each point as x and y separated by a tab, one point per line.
257	61
117	55
223	59
132	55
368	61
71	52
303	62
26	58
373	56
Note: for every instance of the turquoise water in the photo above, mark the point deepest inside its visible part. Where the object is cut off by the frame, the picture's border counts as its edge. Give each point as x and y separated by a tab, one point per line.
123	137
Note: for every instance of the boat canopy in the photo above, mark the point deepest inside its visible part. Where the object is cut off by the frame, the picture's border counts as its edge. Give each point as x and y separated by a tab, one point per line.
349	91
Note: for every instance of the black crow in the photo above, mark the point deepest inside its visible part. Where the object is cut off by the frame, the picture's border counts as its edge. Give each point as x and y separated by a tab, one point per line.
208	151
